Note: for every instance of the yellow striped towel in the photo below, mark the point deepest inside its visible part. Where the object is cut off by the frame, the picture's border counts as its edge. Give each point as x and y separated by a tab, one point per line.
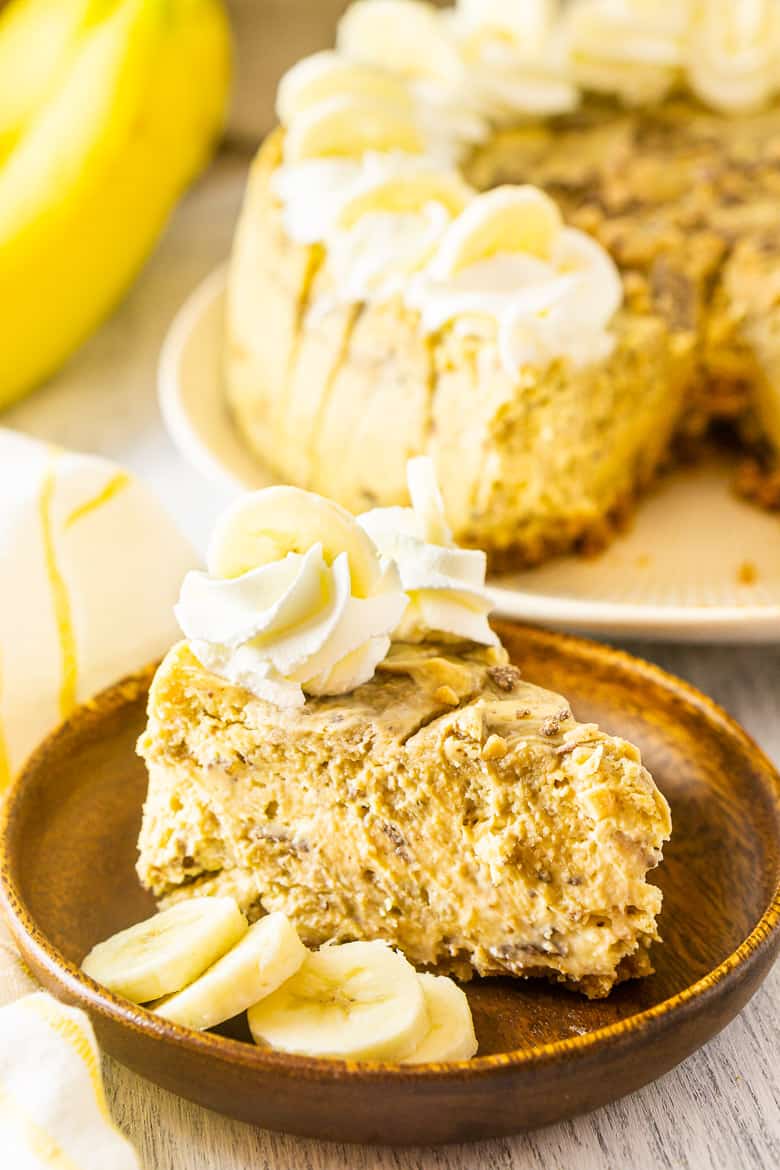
53	1112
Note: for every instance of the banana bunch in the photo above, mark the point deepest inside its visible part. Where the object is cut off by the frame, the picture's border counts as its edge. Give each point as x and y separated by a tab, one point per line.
199	963
108	108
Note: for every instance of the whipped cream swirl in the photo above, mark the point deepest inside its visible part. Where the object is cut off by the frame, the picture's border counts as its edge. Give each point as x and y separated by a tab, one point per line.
373	260
632	48
312	193
311	218
734	53
515	58
294	626
555	305
445	584
466	69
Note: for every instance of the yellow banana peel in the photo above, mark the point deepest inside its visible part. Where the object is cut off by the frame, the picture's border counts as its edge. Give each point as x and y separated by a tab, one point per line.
99	135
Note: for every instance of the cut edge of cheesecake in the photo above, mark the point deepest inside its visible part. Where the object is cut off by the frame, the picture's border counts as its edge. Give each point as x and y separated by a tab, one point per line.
447	806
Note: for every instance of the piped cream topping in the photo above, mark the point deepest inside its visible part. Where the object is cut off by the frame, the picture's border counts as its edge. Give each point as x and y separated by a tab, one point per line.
634	49
515	58
400	226
301	598
508	262
295	601
410	88
290	627
505	58
733	58
445	584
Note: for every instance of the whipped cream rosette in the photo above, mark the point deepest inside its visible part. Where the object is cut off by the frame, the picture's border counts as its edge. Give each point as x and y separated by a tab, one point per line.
347	126
408	36
445	584
733	57
344	122
508	262
415	41
389	226
635	49
295	602
91	567
516	58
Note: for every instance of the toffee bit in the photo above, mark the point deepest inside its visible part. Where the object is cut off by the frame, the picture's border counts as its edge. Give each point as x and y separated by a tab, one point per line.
550	726
495	748
398	840
523	713
446	695
563	715
506	678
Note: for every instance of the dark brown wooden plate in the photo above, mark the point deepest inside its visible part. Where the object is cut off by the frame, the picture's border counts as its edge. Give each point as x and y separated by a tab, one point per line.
67	847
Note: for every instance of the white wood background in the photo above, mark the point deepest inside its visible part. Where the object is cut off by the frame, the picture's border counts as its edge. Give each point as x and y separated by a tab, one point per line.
720	1110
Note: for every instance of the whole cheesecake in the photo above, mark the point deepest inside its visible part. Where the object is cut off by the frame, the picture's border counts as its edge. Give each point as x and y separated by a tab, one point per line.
335	384
529	465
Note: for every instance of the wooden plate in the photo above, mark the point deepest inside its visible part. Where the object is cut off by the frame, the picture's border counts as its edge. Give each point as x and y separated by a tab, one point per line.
67	846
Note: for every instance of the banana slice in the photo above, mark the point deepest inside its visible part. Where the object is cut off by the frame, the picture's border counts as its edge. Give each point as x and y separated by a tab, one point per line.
406	36
166	952
507	219
451	1035
349	125
359	1001
265	526
398	194
328	75
268	954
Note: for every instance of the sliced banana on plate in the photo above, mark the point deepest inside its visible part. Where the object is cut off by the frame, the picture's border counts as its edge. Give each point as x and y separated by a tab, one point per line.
166	952
328	74
358	1001
507	219
451	1033
348	126
263	527
269	953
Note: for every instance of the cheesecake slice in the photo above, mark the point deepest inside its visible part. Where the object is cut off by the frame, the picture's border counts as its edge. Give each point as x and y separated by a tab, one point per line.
446	806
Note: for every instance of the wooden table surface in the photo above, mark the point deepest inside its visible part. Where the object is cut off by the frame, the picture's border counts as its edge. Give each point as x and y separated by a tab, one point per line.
720	1110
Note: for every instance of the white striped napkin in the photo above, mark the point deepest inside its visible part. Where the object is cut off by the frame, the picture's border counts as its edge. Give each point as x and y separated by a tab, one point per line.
53	1112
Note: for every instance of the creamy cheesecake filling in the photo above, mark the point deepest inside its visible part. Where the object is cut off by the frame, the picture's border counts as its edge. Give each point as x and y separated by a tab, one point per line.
449	807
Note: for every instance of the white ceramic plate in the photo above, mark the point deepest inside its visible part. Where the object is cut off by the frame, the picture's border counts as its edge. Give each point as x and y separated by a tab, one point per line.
697	565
